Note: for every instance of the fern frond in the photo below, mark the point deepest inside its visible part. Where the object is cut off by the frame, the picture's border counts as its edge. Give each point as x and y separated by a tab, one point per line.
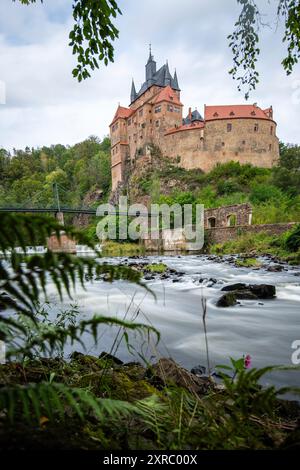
47	340
33	401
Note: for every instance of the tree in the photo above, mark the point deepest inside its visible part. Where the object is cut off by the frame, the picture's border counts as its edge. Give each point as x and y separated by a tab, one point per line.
287	174
244	40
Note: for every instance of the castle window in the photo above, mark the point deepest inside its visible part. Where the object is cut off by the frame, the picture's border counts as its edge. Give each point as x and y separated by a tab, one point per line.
231	220
143	125
211	222
223	144
176	109
255	127
229	127
231	113
216	114
170	108
157	123
141	112
271	130
129	122
157	109
270	147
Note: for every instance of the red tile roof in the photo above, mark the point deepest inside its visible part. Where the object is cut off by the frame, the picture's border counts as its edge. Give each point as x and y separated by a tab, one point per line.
186	127
236	111
167	94
122	113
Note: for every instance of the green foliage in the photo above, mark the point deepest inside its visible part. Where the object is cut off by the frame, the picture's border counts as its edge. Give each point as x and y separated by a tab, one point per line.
273	193
24	279
113	248
264	192
82	171
156	268
244	41
33	401
92	35
286	176
248	263
285	246
292	241
29	333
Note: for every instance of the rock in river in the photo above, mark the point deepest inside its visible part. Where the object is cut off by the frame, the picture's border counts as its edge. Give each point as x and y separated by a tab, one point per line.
245	292
227	300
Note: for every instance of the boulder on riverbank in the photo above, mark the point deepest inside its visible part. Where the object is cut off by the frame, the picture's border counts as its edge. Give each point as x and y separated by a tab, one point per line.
170	373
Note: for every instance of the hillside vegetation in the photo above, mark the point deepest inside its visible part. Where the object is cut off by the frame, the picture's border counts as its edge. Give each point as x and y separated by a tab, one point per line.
273	193
84	177
27	176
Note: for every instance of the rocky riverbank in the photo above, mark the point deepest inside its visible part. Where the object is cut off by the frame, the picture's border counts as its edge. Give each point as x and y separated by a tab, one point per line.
164	387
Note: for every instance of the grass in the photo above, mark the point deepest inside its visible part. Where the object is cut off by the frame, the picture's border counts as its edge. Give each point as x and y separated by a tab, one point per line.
248	263
112	248
258	244
157	268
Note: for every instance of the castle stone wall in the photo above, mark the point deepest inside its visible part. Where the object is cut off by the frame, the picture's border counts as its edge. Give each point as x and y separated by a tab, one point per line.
224	234
204	148
237	214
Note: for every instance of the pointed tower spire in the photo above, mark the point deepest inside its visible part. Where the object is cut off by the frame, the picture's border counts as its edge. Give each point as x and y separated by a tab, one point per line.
175	82
150	68
150	54
133	94
168	76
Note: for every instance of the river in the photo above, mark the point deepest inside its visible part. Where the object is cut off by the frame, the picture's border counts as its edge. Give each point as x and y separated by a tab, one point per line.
264	329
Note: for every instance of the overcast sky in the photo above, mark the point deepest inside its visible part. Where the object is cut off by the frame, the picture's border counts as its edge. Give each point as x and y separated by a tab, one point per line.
45	105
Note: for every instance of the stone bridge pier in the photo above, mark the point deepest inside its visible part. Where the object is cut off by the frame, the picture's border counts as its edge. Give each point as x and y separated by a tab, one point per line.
63	243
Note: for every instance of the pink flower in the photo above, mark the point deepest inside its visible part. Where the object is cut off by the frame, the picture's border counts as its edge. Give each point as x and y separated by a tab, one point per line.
247	361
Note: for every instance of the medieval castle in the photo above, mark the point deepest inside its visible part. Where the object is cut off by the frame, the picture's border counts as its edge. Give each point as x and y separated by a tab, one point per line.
244	133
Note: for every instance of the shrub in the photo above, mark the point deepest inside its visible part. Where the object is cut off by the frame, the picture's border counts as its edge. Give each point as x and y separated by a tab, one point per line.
292	242
263	192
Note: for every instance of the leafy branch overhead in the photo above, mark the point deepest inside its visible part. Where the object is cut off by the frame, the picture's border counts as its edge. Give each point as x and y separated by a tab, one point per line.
92	35
94	32
244	41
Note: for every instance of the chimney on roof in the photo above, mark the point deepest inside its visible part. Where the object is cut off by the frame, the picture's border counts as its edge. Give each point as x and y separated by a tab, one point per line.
190	114
271	112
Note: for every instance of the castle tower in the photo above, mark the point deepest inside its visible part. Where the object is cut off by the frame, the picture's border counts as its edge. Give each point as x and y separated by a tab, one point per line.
150	69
